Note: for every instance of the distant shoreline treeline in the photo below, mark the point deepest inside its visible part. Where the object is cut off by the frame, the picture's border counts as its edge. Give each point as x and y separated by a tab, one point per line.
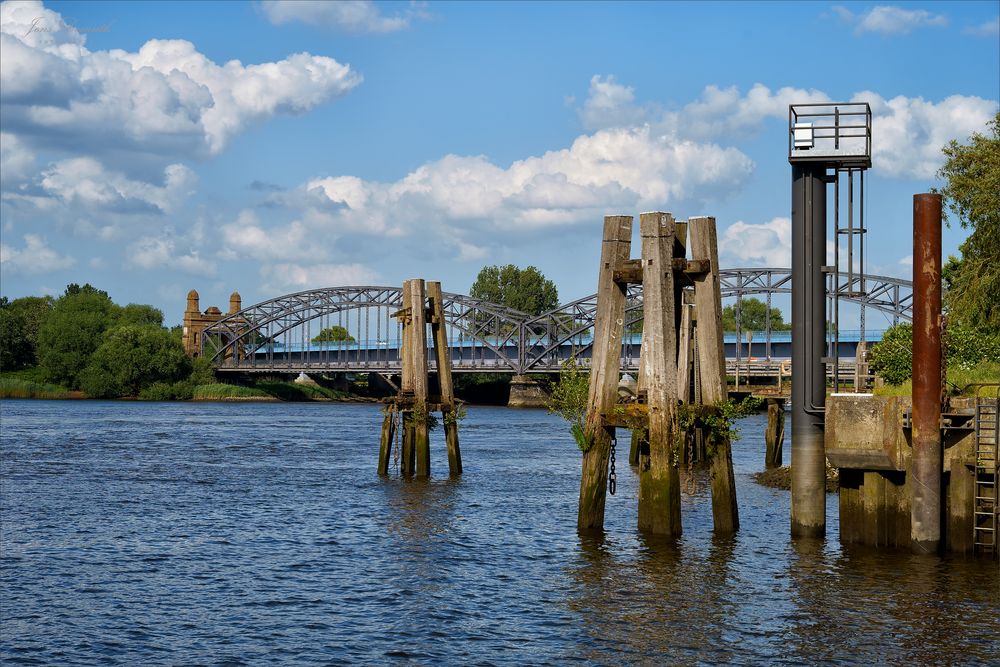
83	345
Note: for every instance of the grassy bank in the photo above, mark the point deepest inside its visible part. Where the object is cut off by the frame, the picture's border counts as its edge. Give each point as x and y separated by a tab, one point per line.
958	380
269	391
21	388
28	383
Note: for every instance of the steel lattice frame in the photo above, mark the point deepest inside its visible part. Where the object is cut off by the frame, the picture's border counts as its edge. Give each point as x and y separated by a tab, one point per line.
518	342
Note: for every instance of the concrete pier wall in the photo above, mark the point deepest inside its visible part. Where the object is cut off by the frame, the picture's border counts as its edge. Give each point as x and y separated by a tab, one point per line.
866	440
526	392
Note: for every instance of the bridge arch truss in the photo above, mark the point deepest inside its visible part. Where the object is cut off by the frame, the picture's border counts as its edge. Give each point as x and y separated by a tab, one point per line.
278	335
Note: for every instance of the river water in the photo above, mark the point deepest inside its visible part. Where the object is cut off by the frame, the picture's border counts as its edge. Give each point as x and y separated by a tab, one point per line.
250	534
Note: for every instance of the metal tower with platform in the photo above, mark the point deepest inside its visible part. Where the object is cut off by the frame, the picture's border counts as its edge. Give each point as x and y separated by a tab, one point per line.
828	144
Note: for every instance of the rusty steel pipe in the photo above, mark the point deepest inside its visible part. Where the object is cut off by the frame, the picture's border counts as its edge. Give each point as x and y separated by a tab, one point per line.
925	471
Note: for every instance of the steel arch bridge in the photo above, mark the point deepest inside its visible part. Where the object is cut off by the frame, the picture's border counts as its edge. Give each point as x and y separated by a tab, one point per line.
278	335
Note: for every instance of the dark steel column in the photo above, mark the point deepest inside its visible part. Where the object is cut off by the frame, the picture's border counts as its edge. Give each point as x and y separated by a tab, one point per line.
808	342
925	472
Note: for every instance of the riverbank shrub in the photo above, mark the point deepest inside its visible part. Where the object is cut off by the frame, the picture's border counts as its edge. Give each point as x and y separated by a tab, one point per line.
165	391
891	358
965	348
131	358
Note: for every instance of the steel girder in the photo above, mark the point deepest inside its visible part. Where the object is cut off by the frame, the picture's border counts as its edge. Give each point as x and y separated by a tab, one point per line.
237	340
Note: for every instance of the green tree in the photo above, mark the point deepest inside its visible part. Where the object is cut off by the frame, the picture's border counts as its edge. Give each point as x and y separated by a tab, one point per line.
526	290
140	313
335	334
132	357
892	357
15	350
753	317
972	195
72	332
73	290
21	320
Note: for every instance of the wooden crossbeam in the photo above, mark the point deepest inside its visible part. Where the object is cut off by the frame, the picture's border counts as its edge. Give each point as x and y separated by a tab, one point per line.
629	272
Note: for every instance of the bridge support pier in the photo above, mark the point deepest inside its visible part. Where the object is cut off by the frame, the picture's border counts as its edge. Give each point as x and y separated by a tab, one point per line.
526	392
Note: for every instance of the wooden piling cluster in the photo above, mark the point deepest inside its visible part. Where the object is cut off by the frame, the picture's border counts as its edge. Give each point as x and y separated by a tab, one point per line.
410	409
669	369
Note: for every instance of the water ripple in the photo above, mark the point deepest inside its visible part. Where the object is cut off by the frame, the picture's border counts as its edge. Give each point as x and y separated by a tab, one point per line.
164	534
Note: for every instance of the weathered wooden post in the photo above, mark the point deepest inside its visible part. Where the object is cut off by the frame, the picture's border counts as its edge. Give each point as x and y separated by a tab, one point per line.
659	486
385	443
407	381
684	350
448	412
418	364
603	391
639	451
711	356
774	437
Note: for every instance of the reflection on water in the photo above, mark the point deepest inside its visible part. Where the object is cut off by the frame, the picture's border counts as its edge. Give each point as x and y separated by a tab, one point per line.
249	534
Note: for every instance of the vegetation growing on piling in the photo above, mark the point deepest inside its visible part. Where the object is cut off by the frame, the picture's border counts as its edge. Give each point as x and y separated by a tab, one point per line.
569	401
719	419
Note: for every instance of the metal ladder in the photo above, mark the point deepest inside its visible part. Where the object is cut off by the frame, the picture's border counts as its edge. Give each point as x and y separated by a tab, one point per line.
849	283
984	523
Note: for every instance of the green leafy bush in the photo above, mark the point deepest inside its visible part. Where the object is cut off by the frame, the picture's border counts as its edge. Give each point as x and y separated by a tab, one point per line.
965	348
164	391
891	358
968	347
131	358
569	401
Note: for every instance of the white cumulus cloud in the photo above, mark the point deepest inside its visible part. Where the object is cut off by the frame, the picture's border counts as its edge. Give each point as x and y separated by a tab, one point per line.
35	257
890	20
167	252
619	168
610	104
17	163
84	183
767	244
249	238
909	132
358	16
166	99
989	28
291	277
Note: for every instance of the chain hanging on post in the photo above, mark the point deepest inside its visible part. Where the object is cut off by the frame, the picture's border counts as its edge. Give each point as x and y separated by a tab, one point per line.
612	477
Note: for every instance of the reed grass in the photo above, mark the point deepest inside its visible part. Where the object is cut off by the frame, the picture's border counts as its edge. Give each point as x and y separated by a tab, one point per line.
219	391
12	387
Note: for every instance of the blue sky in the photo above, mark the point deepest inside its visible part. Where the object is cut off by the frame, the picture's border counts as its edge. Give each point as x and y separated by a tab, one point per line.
150	148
